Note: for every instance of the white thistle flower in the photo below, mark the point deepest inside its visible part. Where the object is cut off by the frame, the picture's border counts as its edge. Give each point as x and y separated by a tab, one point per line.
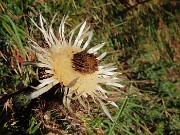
74	66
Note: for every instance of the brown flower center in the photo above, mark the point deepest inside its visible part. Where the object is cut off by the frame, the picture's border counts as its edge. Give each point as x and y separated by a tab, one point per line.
85	62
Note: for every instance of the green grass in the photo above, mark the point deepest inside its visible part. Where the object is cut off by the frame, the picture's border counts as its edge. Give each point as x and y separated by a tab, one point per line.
141	38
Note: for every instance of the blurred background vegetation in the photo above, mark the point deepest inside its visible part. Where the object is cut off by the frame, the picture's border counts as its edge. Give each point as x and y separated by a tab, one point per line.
142	37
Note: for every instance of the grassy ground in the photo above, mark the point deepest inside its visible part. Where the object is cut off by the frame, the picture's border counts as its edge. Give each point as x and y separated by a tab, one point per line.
142	38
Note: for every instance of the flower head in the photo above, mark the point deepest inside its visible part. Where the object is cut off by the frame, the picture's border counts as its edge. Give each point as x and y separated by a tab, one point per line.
77	68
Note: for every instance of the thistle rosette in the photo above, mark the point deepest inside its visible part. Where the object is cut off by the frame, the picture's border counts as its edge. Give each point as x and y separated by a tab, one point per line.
78	69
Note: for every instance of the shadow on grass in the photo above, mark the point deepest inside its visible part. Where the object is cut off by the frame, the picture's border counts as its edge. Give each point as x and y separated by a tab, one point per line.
18	118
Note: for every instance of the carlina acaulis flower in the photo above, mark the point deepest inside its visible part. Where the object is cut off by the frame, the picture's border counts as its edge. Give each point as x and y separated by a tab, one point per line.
77	68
